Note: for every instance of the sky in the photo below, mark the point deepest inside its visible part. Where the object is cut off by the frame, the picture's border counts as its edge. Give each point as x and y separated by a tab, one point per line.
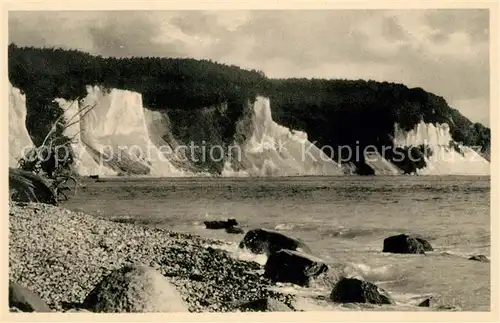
445	52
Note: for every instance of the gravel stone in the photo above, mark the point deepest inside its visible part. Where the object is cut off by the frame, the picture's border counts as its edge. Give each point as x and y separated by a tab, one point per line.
62	255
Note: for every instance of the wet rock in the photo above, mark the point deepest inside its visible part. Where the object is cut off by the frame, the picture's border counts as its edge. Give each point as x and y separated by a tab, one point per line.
403	244
481	258
220	224
269	241
264	305
134	288
353	290
425	303
288	266
235	230
427	246
24	300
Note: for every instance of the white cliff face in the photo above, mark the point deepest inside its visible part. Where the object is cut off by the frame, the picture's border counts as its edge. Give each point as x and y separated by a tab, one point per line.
160	133
380	165
85	162
423	133
445	159
113	132
275	150
19	139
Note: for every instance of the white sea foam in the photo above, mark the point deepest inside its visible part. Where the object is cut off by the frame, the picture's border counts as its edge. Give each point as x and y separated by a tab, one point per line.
366	272
284	226
242	253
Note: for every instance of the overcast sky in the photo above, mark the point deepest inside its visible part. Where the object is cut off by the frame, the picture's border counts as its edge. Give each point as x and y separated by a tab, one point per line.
443	51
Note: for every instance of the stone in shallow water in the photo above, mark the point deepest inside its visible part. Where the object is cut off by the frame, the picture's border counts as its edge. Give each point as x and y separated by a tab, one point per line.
403	244
24	300
288	266
353	290
220	224
134	288
269	241
426	244
481	258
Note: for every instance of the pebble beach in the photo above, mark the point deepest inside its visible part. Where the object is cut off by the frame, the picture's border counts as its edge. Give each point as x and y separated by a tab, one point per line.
61	255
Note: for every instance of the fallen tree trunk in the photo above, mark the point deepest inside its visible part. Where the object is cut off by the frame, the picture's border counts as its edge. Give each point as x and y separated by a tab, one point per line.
25	186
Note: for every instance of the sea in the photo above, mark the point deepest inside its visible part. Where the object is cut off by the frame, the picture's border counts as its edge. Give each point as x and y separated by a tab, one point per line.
344	219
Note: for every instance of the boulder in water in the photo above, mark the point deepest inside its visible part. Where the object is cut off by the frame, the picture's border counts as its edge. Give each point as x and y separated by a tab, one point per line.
24	300
221	224
288	266
481	258
269	241
264	305
28	187
134	288
427	246
403	244
353	290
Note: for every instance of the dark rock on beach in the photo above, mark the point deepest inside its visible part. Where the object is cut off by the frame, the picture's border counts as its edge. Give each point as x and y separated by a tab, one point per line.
289	266
269	241
264	305
220	224
481	258
353	290
135	288
405	244
24	300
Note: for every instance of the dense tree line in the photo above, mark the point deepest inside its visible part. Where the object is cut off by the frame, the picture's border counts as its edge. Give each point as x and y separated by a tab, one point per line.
332	112
363	113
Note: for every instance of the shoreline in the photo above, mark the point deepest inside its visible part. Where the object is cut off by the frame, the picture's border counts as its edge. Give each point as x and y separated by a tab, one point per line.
62	255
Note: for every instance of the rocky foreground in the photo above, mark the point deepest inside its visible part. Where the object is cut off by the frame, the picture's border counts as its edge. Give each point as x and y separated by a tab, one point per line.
70	261
62	255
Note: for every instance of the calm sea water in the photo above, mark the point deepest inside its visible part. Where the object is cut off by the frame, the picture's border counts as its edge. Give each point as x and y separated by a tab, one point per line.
343	219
